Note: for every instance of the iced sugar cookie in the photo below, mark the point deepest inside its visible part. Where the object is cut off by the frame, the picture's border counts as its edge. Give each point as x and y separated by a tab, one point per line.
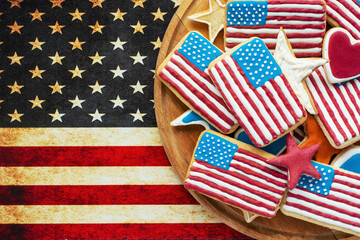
303	22
348	159
184	72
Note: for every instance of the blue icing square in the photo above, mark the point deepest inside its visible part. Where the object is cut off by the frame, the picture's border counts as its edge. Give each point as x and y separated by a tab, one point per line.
246	13
215	151
194	117
199	51
257	63
320	186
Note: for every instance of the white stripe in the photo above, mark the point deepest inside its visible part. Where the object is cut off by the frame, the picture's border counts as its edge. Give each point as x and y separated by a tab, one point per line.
245	165
274	40
272	107
343	196
300	6
320	218
245	102
195	85
88	176
231	197
324	199
280	82
322	209
298	14
230	177
262	163
342	20
316	98
353	92
346	12
76	214
80	137
345	187
234	105
271	30
225	185
356	116
288	115
301	50
195	99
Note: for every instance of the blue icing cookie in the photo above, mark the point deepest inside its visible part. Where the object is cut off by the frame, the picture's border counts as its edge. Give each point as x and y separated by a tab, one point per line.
257	63
215	151
348	159
246	13
194	118
199	51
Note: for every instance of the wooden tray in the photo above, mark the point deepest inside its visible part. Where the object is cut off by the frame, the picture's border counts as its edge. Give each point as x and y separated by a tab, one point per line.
179	144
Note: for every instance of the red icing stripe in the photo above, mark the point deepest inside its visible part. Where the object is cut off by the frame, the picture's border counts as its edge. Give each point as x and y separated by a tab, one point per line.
95	195
311	2
251	154
341	173
247	95
298	10
243	177
302	45
325	204
258	166
232	183
353	100
343	15
346	183
325	215
292	93
226	200
285	26
350	8
120	231
274	36
338	199
342	23
90	156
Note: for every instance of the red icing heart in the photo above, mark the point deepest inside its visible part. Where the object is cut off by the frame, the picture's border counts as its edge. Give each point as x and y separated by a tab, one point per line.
344	56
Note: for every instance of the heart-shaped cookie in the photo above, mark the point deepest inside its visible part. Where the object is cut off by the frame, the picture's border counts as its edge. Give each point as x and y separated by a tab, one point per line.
343	51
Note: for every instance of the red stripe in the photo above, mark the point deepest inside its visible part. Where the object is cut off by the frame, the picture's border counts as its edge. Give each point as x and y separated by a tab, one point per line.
89	156
235	194
240	85
325	215
292	93
232	183
258	166
305	54
342	14
298	10
349	175
354	195
349	7
324	204
190	100
317	106
95	195
346	183
312	2
343	24
327	107
338	199
277	26
353	100
355	87
119	231
243	109
226	200
302	45
274	36
242	177
201	84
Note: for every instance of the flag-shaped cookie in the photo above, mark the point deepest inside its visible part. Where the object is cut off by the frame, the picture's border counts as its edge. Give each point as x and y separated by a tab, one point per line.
303	22
184	72
237	174
331	201
257	92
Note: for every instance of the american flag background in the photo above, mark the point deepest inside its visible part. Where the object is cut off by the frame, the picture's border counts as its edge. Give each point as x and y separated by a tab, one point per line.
80	154
334	198
302	20
257	92
236	176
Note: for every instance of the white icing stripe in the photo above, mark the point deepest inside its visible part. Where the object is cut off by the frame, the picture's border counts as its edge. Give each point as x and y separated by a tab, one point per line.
353	92
272	30
355	118
346	12
230	177
343	196
320	218
298	14
288	115
273	109
208	188
233	188
262	163
209	85
302	50
323	199
261	180
345	187
244	165
274	40
280	82
326	116
300	6
234	105
254	98
343	21
195	99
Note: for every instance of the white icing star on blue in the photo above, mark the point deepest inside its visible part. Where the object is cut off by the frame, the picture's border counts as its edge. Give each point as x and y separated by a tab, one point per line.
215	151
199	51
246	13
320	186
